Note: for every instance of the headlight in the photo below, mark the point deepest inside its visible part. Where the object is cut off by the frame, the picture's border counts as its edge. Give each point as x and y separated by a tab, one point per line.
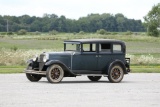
35	57
45	58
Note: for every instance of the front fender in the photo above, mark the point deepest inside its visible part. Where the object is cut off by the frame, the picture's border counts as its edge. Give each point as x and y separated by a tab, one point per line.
51	62
117	62
30	61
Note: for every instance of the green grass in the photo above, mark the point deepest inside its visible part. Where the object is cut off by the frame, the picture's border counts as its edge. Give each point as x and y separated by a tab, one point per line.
134	69
145	69
11	69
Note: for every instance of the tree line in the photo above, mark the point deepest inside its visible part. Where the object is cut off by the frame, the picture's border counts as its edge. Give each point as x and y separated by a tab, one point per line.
90	23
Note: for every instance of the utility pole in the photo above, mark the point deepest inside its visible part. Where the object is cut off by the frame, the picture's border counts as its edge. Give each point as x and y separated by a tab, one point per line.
7	25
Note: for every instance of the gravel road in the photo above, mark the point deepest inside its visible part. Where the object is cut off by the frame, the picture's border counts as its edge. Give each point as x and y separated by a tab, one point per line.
136	90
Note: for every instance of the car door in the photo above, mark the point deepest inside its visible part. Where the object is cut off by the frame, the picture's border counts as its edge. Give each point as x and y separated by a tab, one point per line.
104	56
86	61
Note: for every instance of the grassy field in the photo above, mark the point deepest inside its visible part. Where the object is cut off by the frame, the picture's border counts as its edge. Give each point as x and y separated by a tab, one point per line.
144	51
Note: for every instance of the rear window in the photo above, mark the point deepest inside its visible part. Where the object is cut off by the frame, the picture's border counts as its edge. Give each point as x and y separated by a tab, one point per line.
117	48
105	47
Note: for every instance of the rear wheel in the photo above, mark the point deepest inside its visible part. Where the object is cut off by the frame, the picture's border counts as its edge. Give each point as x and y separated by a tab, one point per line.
116	73
94	78
55	73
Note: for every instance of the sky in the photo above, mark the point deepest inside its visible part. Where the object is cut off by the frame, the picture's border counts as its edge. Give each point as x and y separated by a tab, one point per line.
74	9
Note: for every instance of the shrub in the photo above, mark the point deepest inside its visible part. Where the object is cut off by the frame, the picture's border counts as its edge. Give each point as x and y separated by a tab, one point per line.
53	32
81	32
128	33
10	33
101	31
14	48
22	32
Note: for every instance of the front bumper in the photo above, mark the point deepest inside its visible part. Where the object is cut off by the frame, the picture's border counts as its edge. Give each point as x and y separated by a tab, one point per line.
34	72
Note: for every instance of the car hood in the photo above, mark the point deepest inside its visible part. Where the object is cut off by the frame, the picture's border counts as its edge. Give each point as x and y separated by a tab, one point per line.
60	53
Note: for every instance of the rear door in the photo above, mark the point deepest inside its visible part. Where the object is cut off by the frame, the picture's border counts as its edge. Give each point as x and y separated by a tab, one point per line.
104	56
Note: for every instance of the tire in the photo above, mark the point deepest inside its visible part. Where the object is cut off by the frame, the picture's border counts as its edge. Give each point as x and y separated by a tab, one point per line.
33	77
55	73
116	73
94	78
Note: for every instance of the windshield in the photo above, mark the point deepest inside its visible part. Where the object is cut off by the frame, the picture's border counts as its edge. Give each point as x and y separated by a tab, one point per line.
72	47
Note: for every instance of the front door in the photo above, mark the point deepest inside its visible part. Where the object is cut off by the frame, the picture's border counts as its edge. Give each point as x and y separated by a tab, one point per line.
86	61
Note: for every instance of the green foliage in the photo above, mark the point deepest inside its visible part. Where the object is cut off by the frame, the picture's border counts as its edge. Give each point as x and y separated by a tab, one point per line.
152	21
81	33
101	31
128	33
53	32
14	48
90	23
3	33
10	33
22	32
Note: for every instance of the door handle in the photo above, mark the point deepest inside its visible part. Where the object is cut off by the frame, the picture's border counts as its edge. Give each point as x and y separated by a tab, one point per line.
98	55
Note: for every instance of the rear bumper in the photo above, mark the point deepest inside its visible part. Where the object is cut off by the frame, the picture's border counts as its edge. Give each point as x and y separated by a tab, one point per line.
35	72
128	64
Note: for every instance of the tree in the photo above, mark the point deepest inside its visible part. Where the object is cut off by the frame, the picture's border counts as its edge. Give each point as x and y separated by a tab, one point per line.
152	21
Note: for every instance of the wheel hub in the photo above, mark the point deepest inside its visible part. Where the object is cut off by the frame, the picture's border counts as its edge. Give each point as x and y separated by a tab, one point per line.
55	73
116	73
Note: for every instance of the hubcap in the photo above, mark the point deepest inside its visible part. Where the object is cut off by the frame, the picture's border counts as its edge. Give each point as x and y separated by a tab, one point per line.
116	73
55	73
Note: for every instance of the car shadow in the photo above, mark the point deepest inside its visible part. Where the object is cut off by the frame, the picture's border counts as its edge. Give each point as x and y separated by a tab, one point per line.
86	82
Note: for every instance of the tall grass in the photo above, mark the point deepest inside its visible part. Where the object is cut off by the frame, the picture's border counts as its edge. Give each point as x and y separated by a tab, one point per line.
143	59
10	57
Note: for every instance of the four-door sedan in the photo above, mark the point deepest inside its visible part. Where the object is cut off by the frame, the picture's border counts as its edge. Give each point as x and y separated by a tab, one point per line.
91	57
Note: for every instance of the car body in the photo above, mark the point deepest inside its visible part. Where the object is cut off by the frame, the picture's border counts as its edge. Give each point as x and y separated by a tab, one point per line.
91	57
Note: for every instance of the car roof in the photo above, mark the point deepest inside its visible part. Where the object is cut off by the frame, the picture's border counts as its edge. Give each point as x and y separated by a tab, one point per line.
94	41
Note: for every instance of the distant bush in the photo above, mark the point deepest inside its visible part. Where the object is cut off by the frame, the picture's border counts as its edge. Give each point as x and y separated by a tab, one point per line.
10	33
128	33
101	31
81	32
3	33
114	33
22	32
53	32
14	48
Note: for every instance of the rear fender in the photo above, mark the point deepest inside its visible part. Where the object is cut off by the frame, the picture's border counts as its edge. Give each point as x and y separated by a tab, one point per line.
117	62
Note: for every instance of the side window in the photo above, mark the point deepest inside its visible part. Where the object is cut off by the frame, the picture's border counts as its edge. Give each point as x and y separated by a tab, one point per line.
117	48
105	47
89	47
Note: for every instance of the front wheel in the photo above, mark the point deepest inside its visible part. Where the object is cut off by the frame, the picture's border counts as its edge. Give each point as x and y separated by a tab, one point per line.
116	73
55	73
94	78
33	77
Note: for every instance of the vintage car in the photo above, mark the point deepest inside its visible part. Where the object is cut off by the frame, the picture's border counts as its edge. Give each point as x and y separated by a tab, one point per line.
91	57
